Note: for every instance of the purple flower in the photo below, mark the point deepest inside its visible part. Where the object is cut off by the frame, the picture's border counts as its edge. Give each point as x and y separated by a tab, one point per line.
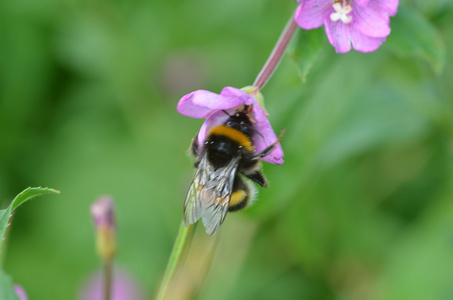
362	23
20	292
123	287
203	104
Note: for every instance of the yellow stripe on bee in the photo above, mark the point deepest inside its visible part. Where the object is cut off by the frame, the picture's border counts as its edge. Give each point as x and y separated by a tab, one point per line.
237	197
233	134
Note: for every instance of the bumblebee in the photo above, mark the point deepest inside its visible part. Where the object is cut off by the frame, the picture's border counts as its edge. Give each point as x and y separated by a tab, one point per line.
226	157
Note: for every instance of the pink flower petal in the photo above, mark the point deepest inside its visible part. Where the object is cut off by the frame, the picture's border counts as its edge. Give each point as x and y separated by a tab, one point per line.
365	43
371	20
339	35
389	6
312	13
123	287
241	96
20	292
200	104
268	137
362	2
188	105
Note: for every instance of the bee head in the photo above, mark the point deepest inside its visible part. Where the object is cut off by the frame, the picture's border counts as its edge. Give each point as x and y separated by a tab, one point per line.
241	121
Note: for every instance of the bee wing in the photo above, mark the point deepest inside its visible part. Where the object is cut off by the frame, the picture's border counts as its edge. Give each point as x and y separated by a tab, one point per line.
209	194
193	206
218	193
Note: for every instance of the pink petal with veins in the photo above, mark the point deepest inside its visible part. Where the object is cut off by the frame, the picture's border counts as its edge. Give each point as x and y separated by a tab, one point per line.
311	14
362	2
389	6
365	43
200	104
370	21
338	35
268	137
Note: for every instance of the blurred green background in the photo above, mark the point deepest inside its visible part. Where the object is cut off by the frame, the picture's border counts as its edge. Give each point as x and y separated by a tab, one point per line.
361	209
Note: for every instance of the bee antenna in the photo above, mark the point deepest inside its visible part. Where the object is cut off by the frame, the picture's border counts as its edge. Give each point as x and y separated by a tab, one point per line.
256	131
226	112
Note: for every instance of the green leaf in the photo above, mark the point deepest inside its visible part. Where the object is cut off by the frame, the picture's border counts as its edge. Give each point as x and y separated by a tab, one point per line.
24	196
6	287
413	35
305	48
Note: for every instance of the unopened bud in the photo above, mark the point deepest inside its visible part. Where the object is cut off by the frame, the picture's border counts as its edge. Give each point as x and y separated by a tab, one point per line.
255	92
102	212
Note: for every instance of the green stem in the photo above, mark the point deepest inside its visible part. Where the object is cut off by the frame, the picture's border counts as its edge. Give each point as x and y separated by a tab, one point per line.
4	243
206	266
108	275
181	242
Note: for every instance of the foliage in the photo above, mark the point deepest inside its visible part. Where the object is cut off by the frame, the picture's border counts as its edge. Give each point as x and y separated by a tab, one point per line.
24	196
6	288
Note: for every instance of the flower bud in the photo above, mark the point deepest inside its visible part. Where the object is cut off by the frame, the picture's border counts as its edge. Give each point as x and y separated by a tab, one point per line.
255	92
102	212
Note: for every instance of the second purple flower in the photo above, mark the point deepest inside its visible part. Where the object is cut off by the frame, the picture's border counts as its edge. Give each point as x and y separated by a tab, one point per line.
364	24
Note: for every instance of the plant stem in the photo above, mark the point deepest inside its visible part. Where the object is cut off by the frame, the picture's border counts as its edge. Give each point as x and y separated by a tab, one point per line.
205	266
180	245
108	275
276	55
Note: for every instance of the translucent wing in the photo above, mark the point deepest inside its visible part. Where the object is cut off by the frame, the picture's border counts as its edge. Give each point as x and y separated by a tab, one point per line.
193	205
209	194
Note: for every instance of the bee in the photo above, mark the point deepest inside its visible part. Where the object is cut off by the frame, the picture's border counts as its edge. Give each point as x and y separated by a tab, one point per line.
227	156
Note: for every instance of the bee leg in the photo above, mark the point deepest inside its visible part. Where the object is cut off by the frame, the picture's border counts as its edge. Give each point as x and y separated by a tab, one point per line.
265	152
258	177
194	148
269	149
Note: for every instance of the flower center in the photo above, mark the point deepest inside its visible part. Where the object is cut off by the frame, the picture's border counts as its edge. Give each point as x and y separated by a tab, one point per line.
341	12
